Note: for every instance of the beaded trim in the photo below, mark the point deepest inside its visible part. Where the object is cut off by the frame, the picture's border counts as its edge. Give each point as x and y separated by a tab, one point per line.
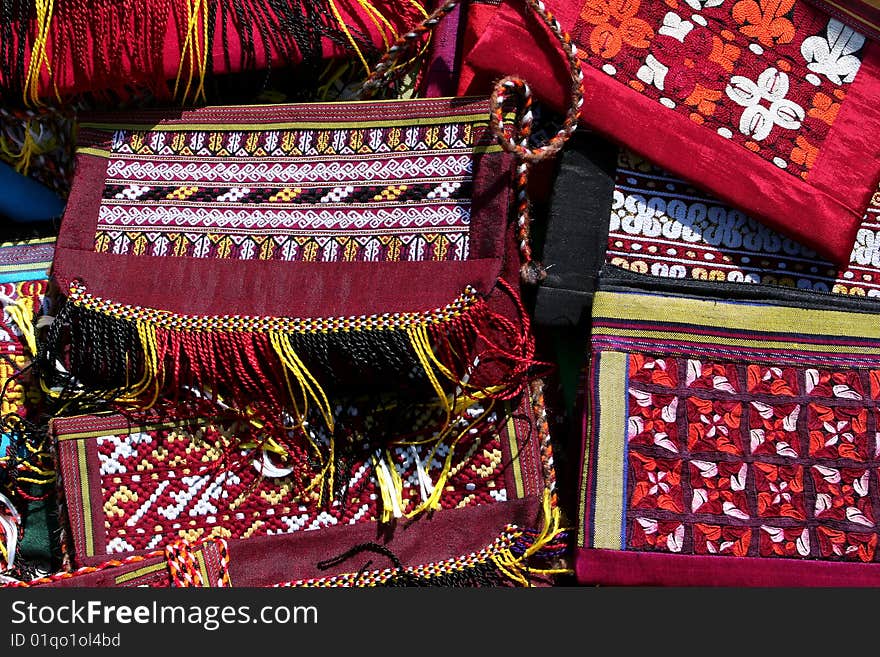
255	324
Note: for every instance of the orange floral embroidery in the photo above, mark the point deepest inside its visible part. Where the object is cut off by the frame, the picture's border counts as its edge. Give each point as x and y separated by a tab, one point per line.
824	108
616	25
804	153
765	20
704	99
724	54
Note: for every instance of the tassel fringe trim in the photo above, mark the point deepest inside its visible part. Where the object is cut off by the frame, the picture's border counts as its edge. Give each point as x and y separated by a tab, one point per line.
272	370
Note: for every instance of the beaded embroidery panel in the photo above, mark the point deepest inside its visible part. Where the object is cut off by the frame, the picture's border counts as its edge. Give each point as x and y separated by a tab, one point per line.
133	488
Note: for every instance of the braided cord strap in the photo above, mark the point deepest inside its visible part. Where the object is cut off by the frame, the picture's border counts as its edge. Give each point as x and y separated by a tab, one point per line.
512	138
515	138
384	69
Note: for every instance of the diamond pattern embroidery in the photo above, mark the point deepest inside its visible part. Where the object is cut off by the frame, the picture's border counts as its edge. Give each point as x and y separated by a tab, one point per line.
752	460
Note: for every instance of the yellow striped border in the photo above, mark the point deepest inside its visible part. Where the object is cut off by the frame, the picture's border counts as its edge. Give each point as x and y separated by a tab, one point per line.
83	467
140	572
609	495
734	316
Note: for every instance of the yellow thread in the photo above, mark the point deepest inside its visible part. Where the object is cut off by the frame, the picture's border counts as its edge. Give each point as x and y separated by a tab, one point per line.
191	51
377	17
515	567
351	41
418	336
433	501
390	486
39	56
23	318
307	382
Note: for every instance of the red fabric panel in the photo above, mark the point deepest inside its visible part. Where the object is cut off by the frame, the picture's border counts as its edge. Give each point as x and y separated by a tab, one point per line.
823	210
268	560
479	15
614	568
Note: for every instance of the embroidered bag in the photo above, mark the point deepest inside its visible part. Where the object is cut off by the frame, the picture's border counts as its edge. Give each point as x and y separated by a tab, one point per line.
731	438
770	106
133	484
267	259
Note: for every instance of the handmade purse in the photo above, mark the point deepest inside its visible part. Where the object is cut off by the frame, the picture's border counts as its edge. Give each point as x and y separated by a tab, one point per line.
133	484
763	104
731	439
266	262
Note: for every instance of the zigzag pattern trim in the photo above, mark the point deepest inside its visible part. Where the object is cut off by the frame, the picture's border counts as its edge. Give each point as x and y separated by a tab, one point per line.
256	324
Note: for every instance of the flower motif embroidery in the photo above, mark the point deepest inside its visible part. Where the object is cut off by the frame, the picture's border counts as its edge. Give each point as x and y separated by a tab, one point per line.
784	541
833	55
719	488
771	380
765	20
842	494
838	432
824	108
714	426
657	483
773	429
711	376
854	546
842	385
757	121
688	64
647	533
615	25
659	371
780	491
653	423
715	539
659	486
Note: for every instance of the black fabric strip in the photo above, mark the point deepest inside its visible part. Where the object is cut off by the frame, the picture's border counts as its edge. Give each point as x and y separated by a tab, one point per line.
616	279
577	231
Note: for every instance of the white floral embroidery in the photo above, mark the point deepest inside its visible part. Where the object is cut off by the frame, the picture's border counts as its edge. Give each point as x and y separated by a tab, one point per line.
674	26
757	121
832	56
866	251
653	72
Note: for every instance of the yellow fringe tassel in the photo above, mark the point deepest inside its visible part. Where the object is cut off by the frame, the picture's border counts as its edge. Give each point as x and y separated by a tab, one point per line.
23	316
39	56
194	50
516	568
308	385
390	486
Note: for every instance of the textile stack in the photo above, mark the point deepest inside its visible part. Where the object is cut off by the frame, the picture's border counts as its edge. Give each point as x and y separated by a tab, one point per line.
435	294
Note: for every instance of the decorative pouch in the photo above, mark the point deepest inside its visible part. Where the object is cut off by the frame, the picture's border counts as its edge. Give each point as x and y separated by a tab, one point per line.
664	227
132	486
135	484
767	105
266	260
731	436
